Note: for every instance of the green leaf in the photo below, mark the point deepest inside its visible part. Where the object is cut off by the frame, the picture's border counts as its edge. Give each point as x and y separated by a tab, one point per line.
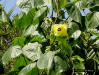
72	27
3	15
34	71
26	19
19	41
27	69
92	20
46	60
97	43
52	73
68	49
39	13
48	2
76	34
88	4
62	3
64	45
55	5
38	2
94	32
12	52
80	4
74	13
74	1
60	65
78	62
31	30
78	58
32	50
37	39
97	59
25	5
10	12
91	54
95	8
58	4
20	62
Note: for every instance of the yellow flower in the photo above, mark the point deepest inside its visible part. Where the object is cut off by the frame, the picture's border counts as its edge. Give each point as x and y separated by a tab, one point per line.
60	30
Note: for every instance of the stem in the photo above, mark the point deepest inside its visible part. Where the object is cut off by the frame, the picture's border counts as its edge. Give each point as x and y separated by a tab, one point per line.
58	15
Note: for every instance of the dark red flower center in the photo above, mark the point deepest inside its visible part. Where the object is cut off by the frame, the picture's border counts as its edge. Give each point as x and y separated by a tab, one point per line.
59	29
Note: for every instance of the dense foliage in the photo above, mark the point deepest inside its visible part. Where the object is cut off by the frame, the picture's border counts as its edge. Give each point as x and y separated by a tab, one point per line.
33	43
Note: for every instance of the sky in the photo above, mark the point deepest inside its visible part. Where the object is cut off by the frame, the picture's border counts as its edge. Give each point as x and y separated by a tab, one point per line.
9	4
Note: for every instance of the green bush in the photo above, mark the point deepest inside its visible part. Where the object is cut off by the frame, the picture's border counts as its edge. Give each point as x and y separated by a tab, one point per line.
41	45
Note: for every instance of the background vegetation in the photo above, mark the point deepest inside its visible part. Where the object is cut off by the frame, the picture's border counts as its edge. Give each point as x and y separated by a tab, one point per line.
29	47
